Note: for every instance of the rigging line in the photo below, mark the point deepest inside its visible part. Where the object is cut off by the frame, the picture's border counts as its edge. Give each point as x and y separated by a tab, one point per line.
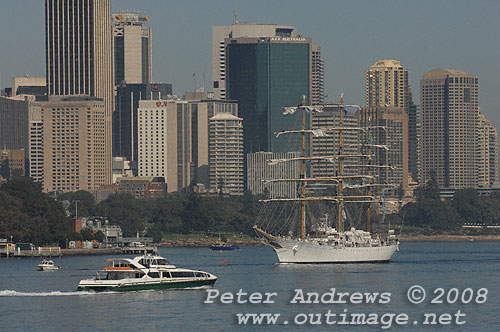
289	220
275	217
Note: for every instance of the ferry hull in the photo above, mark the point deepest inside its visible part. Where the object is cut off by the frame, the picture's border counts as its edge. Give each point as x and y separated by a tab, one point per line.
299	252
97	286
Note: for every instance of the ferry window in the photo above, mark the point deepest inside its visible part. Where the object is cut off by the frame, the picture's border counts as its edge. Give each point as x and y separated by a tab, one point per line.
166	274
182	274
139	275
154	274
199	275
113	276
162	262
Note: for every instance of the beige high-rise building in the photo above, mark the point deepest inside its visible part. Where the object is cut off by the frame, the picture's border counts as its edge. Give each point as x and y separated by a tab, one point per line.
328	145
35	144
487	153
174	139
74	143
202	110
164	142
387	85
387	102
317	76
78	54
238	30
449	115
226	154
132	48
394	137
259	170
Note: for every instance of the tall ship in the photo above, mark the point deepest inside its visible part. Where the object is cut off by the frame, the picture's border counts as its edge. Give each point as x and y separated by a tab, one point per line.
320	240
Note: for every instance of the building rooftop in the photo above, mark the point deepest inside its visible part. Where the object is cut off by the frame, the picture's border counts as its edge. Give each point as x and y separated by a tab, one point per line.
225	116
129	18
387	63
443	72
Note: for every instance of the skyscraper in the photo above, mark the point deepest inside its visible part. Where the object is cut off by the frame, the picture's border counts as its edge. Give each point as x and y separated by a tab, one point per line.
487	152
259	170
394	137
387	102
21	129
132	49
78	55
317	76
226	154
125	115
164	142
449	113
263	75
238	30
387	85
202	111
328	145
73	144
413	120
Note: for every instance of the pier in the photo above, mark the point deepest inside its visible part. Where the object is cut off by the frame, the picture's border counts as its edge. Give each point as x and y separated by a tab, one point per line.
40	252
139	250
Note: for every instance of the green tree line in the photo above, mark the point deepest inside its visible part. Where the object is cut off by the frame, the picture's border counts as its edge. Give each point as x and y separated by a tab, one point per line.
28	215
431	213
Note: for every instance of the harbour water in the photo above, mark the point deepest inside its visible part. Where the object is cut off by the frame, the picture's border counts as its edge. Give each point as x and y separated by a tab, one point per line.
32	300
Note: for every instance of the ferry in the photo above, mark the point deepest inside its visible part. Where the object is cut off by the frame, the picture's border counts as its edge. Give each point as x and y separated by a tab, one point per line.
144	273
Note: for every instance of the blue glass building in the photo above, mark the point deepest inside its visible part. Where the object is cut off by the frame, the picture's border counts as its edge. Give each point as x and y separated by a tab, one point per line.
263	75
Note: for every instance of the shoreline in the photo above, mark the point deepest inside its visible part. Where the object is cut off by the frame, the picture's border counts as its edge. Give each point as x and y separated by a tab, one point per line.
448	238
199	243
205	243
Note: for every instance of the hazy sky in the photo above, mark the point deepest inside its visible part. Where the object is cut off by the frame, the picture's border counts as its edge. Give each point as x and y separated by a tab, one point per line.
422	34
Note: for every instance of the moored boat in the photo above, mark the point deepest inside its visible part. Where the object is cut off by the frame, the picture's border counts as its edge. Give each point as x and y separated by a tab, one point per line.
220	245
144	273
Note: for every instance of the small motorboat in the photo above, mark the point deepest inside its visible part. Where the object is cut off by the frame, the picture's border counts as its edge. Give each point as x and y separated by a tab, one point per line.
219	245
47	265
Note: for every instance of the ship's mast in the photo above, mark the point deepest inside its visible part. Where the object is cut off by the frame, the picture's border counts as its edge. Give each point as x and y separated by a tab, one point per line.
339	190
303	171
368	217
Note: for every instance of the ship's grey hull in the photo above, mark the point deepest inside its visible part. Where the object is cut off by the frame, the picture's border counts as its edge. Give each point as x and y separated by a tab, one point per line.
299	252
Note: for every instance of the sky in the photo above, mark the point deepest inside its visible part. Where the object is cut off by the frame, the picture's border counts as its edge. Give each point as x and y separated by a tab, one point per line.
353	34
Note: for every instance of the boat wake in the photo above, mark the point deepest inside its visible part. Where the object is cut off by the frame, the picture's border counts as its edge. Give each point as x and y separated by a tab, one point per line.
5	293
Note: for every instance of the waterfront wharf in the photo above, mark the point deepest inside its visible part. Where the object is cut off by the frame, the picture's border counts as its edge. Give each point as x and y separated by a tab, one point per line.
140	250
40	252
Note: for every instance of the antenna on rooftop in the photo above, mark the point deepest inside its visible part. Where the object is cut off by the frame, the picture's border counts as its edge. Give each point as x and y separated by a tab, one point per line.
234	16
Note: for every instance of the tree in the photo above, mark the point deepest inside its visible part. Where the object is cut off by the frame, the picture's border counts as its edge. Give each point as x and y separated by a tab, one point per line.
81	200
123	210
87	234
29	215
5	169
75	236
430	189
99	236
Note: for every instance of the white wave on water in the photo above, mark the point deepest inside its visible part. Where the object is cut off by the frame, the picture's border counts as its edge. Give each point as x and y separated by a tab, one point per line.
8	292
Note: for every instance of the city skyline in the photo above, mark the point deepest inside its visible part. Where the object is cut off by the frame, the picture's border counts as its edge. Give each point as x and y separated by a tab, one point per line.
424	35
